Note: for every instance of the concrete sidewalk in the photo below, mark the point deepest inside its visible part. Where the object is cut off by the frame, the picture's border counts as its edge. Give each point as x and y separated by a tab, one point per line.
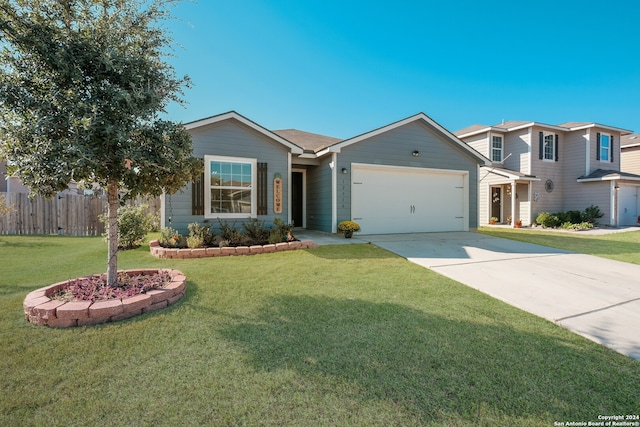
594	297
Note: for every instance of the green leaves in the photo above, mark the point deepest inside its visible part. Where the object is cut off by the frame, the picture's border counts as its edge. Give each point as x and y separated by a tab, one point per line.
80	90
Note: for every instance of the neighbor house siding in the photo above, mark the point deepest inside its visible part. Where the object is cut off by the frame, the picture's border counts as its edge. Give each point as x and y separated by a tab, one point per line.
630	160
480	143
396	146
233	139
574	163
518	145
547	170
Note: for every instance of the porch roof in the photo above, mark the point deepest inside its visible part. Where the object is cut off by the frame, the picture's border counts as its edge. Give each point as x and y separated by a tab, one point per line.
608	175
510	174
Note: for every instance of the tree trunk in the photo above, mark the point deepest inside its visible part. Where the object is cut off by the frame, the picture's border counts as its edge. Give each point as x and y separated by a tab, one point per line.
112	234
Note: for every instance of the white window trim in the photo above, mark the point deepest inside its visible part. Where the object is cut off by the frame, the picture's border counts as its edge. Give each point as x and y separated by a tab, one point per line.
608	159
207	186
553	150
491	136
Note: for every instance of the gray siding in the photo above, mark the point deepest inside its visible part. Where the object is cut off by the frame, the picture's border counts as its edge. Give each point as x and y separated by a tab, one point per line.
234	139
394	148
319	196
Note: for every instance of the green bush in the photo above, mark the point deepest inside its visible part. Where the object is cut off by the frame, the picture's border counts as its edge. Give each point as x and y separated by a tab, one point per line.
280	232
547	220
133	225
256	231
203	232
229	234
170	238
591	214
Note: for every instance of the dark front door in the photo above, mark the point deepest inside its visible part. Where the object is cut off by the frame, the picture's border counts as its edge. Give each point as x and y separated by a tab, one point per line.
297	199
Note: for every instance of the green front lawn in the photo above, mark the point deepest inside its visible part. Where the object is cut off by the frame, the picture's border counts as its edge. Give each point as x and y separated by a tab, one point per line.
618	246
339	335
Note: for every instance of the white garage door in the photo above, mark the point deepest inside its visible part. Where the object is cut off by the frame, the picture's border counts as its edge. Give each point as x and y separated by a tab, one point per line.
386	199
629	205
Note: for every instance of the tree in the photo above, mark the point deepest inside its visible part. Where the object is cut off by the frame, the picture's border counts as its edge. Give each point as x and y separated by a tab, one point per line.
82	87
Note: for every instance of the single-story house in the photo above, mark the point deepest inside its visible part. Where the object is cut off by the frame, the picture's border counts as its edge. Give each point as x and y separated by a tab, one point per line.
408	176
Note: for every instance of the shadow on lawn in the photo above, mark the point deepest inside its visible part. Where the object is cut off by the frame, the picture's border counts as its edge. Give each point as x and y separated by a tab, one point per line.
363	251
431	367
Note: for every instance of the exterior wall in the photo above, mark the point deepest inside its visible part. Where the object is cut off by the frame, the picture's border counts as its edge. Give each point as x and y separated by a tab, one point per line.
517	144
394	148
234	139
522	205
13	185
480	143
487	180
630	160
543	201
599	164
319	196
575	165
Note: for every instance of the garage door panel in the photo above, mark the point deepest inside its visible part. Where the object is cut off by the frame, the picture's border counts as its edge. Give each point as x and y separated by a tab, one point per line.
405	200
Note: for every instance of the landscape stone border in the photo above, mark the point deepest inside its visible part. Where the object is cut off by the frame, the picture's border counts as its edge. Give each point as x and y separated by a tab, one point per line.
40	309
174	253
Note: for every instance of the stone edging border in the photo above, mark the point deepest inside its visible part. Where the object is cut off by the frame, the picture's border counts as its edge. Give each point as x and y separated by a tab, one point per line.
172	253
41	310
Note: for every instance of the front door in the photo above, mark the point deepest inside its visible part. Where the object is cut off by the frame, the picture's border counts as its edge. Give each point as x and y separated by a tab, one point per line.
496	203
297	199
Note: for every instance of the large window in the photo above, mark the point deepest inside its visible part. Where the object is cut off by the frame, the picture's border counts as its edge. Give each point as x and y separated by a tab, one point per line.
230	187
605	147
549	147
496	148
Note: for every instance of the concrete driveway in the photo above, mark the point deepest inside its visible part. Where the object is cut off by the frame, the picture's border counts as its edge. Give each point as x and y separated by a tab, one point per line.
594	297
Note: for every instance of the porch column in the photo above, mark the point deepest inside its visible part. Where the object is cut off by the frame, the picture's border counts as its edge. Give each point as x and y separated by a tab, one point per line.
513	205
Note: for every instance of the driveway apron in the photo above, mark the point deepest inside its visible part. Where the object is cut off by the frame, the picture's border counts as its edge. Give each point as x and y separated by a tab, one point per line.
595	297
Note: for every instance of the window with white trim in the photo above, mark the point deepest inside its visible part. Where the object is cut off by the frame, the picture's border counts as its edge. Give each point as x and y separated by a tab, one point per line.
605	147
496	148
230	184
549	147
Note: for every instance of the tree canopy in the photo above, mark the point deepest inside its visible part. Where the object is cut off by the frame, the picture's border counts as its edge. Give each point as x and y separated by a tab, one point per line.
82	86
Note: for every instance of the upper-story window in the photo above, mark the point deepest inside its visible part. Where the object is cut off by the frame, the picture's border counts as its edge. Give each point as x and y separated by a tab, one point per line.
229	187
548	147
605	143
497	148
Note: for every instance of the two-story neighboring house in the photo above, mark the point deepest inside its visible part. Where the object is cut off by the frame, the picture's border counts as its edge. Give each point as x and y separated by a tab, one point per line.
538	167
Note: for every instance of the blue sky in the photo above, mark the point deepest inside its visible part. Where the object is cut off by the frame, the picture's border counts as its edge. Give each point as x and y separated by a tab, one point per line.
341	68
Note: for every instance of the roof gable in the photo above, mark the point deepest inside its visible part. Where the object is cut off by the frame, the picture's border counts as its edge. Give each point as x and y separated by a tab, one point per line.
420	117
308	141
232	115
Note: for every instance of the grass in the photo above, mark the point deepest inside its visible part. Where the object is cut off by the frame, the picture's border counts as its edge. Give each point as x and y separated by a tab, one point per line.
346	335
617	246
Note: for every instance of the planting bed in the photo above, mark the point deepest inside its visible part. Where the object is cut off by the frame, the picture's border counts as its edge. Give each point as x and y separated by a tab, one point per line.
160	252
40	309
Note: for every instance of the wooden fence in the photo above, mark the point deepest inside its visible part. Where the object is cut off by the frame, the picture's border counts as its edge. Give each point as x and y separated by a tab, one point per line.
68	214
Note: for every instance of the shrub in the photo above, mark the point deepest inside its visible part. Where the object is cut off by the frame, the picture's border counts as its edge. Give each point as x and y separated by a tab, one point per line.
133	225
170	238
203	232
256	231
591	214
281	232
194	242
229	233
547	220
